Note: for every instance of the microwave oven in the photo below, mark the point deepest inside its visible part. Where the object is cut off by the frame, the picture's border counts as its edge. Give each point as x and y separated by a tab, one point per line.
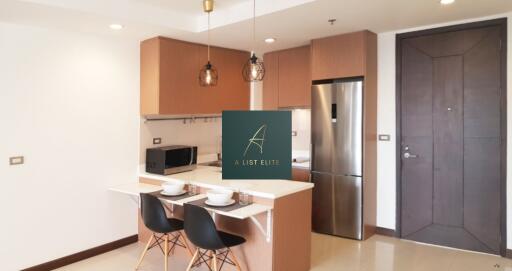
171	159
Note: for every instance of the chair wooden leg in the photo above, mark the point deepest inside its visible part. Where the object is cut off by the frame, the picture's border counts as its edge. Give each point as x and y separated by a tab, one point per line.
166	252
185	243
211	257
214	261
192	260
144	252
233	257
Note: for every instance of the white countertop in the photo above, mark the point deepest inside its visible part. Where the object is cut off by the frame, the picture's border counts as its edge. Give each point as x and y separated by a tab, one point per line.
303	165
134	189
211	177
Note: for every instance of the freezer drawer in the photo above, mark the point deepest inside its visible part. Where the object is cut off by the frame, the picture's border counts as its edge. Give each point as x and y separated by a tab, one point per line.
348	206
322	203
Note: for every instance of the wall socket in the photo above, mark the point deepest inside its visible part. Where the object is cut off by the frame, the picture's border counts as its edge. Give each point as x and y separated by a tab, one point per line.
16	160
157	140
384	137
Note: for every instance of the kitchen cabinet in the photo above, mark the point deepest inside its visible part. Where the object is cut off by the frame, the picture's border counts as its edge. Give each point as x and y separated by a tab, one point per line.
169	79
231	92
270	81
300	174
341	56
287	81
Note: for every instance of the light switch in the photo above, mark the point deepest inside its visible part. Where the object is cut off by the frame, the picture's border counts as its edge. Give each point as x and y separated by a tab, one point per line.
384	138
157	140
16	160
294	133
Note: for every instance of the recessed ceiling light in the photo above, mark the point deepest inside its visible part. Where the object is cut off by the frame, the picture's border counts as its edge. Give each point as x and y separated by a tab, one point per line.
270	40
447	2
116	26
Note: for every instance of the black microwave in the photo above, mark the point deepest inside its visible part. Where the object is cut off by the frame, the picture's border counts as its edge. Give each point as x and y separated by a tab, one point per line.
171	159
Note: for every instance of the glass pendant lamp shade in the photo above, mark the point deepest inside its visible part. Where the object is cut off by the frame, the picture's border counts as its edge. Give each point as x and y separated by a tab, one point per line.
208	76
253	70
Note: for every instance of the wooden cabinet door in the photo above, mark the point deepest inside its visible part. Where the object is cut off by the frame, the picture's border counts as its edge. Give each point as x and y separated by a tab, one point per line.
294	80
300	175
179	70
338	56
170	79
271	81
231	92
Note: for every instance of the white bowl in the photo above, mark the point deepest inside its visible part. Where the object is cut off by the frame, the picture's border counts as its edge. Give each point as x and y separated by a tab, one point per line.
173	187
219	196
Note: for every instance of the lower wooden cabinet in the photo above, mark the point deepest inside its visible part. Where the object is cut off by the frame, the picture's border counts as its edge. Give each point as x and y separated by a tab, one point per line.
301	175
287	81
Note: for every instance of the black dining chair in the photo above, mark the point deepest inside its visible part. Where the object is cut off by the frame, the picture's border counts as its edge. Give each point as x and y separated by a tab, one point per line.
202	232
164	230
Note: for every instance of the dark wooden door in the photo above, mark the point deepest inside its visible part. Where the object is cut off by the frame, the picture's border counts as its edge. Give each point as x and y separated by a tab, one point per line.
451	138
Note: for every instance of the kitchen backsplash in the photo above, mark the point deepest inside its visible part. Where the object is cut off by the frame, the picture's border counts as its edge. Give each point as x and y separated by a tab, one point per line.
301	123
206	135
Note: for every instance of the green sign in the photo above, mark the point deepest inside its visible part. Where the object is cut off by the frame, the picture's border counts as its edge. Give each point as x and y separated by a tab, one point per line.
256	145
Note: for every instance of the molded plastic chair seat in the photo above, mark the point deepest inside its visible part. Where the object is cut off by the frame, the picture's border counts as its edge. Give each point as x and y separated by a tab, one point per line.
172	226
202	232
231	240
164	230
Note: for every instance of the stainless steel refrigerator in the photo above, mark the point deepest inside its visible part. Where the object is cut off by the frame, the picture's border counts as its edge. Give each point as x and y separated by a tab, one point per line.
337	158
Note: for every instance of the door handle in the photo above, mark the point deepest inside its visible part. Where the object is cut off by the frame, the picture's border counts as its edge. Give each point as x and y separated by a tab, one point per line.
408	155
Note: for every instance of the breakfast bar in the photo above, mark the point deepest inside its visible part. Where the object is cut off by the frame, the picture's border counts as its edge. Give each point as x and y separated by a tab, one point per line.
276	224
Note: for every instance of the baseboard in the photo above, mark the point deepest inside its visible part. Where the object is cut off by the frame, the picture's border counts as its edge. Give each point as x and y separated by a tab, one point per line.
508	254
385	232
51	265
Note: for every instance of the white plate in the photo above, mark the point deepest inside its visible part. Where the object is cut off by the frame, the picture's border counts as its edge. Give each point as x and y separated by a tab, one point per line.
208	202
172	195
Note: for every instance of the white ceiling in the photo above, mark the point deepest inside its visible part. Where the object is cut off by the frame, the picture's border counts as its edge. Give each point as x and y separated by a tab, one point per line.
292	22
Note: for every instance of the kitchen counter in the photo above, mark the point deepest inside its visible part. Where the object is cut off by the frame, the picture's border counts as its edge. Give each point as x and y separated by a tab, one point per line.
277	225
303	165
211	177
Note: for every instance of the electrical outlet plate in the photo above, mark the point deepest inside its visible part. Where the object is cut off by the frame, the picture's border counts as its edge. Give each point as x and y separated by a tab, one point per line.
16	160
384	137
157	140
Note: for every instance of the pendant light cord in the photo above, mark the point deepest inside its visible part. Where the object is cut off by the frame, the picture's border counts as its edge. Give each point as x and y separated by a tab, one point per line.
208	37
254	26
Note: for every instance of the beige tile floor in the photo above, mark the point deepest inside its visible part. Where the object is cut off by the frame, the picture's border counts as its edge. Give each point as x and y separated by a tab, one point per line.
329	253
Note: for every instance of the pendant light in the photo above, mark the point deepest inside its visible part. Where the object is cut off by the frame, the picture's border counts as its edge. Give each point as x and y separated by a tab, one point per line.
208	75
254	70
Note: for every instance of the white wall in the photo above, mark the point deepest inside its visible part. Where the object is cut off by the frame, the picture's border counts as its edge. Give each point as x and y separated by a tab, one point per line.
386	200
68	103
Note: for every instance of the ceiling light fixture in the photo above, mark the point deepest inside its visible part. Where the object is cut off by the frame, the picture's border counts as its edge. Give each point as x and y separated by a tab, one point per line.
116	26
270	40
208	75
447	2
253	70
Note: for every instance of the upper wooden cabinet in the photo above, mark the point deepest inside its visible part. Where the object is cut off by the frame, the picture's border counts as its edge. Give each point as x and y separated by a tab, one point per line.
169	79
287	81
270	93
341	56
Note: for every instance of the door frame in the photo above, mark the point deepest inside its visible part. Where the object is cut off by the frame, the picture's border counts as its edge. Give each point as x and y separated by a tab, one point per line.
502	22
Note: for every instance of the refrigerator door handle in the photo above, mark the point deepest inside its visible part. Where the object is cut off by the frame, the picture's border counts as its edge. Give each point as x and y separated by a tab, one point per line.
311	146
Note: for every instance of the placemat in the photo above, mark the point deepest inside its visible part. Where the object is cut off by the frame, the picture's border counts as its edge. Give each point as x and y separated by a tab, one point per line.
201	203
158	195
